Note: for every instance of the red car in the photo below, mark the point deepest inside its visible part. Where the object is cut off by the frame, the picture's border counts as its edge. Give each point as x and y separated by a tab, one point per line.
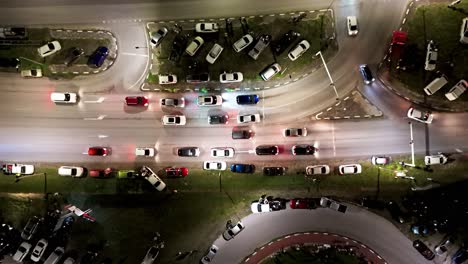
98	151
100	173
176	172
137	100
302	203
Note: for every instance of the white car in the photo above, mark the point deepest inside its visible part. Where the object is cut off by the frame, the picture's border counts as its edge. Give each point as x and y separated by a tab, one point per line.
49	48
39	250
174	102
151	255
457	90
257	207
146	152
55	256
209	100
69	260
350	169
380	160
435	159
32	73
431	57
206	27
317	170
250	118
233	230
71	171
23	169
63	98
464	31
194	46
418	115
242	43
174	120
158	36
351	21
271	71
151	177
295	132
231	77
214	53
214	165
210	255
222	152
441	249
167	79
22	251
300	49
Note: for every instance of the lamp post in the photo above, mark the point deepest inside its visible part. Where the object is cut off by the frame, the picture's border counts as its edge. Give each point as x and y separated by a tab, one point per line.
412	148
328	73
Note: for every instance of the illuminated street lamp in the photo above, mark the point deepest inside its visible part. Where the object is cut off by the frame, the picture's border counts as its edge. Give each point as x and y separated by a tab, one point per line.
329	76
412	148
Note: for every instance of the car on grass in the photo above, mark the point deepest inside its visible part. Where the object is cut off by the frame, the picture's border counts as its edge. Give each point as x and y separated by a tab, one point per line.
380	160
136	101
209	255
423	249
214	165
32	73
63	98
206	27
274	171
431	57
158	36
55	256
464	31
22	251
167	78
262	43
366	73
188	152
73	56
284	42
214	53
194	46
242	168
242	43
302	203
248	118
270	71
72	171
30	228
442	248
435	159
209	100
18	169
101	173
174	102
241	134
144	152
329	203
124	174
151	255
457	90
218	119
198	78
350	169
295	132
298	50
98	151
39	250
421	116
176	172
317	170
231	77
267	150
174	120
247	99
233	230
147	173
460	256
351	22
222	152
303	150
98	57
49	48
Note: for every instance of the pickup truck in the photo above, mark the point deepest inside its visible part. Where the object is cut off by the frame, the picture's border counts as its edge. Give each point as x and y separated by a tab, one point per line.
262	43
21	169
152	178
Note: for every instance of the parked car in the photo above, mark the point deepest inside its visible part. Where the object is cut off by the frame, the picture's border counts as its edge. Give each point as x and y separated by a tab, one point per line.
352	24
233	230
214	53
460	256
423	249
247	99
242	43
22	251
194	46
39	250
457	90
158	36
441	249
15	168
188	152
366	73
267	150
295	132
329	203
231	77
464	31
421	116
197	78
73	56
420	229
174	102
218	119
49	48
273	171
380	160
303	150
206	27
10	63
98	57
242	168
55	256
167	78
270	71
350	169
431	57
176	172
317	170
136	101
124	174
69	260
151	255
302	203
435	159
299	49
284	42
209	100
32	73
101	173
242	134
145	152
147	173
174	120
257	207
249	118
396	213
222	152
210	254
98	151
262	43
72	171
30	228
214	165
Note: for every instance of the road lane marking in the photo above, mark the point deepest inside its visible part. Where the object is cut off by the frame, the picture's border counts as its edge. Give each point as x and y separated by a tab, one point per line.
103	136
458	150
101	117
98	101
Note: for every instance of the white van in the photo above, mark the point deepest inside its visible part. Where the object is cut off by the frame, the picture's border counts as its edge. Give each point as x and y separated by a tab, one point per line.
435	85
457	90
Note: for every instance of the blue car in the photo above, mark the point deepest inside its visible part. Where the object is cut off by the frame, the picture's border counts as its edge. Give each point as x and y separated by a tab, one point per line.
242	168
247	99
98	57
460	256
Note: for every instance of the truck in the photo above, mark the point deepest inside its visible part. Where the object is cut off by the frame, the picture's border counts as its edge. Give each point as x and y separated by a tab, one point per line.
151	177
262	43
399	39
13	33
18	169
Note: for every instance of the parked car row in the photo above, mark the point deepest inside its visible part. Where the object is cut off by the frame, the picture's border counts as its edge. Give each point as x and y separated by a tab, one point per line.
95	60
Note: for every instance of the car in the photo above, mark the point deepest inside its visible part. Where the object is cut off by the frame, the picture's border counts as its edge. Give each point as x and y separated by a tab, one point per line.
457	90
73	56
136	100
241	134
366	73
39	250
174	120
329	203
283	43
267	150
69	260
242	43
98	151
420	229
423	249
188	152
22	251
206	27
32	73
298	50
10	63
352	24
257	207
218	119
123	174
464	31
302	203
174	102
146	152
262	43
198	78
214	53
151	255
460	256
55	256
249	118
167	78
317	170
176	172
441	249
49	48
63	98
98	57
158	36
147	173
242	168
231	77
295	132
222	152
210	255
233	230
18	169
214	165
101	173
71	171
350	169
421	116
30	228
247	99
435	159
273	171
431	57
270	71
380	160
303	150
194	46
209	100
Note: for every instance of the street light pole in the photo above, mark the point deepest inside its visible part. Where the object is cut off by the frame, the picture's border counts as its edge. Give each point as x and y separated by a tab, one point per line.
412	144
328	73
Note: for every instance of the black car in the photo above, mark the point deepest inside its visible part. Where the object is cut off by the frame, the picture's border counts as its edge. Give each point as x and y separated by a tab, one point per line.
9	63
267	150
218	119
303	150
284	42
241	134
460	256
74	55
243	168
247	99
273	171
366	73
198	78
423	249
188	152
396	212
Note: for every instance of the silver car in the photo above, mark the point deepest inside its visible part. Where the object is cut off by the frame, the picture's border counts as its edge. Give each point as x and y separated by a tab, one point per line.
210	255
158	36
233	230
151	255
317	170
295	132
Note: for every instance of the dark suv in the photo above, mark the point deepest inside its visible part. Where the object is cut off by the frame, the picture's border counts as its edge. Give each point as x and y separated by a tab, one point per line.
241	134
366	73
98	57
74	55
423	249
9	62
247	99
198	78
303	150
284	42
267	150
218	119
